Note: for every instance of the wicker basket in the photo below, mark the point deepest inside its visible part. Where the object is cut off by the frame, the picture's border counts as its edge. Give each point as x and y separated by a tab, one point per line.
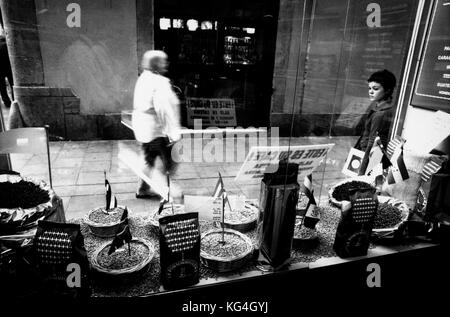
104	230
154	217
19	224
338	203
138	269
388	232
221	264
248	225
305	242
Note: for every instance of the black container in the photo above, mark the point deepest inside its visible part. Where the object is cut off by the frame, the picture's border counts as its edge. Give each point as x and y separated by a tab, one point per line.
179	242
278	201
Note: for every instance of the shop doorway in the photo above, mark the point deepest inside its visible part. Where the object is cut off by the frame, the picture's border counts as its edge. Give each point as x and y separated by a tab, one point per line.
220	51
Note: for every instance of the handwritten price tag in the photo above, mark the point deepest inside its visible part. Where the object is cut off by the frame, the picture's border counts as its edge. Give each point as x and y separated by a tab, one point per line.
217	209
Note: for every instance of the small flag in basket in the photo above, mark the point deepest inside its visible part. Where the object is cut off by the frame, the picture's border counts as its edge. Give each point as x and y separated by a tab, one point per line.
431	168
108	193
125	215
219	189
393	144
397	172
312	215
377	155
120	239
111	201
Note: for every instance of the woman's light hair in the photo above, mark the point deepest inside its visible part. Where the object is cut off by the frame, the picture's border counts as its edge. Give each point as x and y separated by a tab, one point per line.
150	59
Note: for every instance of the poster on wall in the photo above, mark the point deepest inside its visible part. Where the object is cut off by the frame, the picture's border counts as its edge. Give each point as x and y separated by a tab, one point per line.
433	81
265	159
213	112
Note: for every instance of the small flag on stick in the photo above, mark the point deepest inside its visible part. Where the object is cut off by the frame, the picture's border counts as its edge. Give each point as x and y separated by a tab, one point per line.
120	239
124	215
108	193
111	201
312	216
431	168
393	144
219	191
397	172
377	155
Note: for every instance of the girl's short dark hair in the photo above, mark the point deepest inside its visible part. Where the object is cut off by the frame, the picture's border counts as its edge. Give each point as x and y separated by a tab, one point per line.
386	79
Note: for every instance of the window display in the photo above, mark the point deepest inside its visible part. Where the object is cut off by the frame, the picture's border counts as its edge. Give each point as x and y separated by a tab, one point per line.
218	142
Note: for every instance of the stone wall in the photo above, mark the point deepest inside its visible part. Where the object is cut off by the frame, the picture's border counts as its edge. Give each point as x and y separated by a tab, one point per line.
57	73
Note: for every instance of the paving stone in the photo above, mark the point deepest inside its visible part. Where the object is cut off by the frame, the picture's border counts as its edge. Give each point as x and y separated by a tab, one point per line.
65	191
64	176
82	204
76	153
85	178
95	166
74	163
101	156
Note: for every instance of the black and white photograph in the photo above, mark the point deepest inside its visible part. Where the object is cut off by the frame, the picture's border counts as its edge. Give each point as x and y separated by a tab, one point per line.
224	157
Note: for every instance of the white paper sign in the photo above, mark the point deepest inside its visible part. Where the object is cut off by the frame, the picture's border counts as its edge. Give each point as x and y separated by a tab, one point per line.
353	162
213	112
265	159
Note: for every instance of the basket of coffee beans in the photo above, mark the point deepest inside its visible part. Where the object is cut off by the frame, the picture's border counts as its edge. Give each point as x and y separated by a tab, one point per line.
343	190
241	219
390	215
23	202
133	259
226	250
304	237
106	223
166	209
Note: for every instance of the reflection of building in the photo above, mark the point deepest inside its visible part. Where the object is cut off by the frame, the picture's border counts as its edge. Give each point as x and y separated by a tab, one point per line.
279	60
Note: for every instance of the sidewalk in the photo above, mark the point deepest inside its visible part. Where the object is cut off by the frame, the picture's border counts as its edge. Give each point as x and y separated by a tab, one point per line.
78	168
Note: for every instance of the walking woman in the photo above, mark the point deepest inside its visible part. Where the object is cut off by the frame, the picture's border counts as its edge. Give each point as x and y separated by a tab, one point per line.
379	115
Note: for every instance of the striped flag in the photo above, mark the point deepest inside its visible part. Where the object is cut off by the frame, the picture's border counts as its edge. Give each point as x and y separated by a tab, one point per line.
431	168
397	172
312	215
394	144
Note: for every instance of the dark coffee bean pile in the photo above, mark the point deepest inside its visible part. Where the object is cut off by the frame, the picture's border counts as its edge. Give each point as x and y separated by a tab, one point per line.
22	194
343	192
388	216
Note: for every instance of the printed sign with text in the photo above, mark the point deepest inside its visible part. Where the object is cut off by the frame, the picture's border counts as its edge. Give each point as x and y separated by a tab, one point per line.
263	159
